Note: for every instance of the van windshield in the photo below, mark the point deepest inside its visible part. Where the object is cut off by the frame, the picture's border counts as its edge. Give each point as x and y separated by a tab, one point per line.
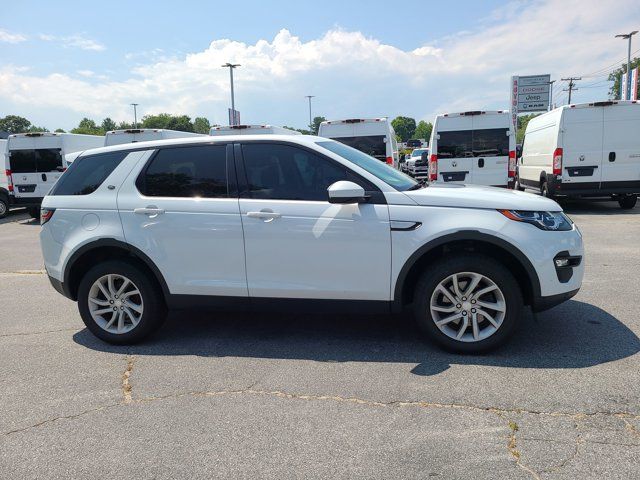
487	142
31	161
384	172
373	145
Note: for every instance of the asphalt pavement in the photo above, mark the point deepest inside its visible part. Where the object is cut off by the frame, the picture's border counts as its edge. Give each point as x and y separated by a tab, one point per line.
229	395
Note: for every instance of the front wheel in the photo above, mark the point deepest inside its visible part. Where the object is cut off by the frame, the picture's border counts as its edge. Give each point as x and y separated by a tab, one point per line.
120	303
628	202
4	206
468	303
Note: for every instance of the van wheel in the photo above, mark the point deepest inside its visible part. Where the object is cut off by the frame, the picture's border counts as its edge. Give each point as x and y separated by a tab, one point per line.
468	303
627	202
544	190
119	303
4	206
518	186
34	212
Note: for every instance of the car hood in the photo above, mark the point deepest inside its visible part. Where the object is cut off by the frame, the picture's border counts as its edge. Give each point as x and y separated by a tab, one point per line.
471	196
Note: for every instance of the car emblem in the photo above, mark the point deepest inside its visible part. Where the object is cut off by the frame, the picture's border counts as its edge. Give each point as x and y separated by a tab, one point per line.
454	164
24	179
581	158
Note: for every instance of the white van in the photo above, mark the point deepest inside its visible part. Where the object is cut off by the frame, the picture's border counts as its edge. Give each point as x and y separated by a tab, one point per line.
373	136
475	147
132	135
34	161
4	184
586	150
251	130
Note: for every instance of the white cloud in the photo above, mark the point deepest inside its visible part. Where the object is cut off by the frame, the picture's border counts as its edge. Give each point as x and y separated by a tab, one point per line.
74	41
9	37
86	73
351	74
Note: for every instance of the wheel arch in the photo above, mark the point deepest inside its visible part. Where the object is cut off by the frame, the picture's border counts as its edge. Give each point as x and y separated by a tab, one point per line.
469	240
106	249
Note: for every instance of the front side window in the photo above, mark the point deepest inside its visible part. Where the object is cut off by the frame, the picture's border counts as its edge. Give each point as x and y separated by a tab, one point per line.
285	172
384	172
87	173
198	171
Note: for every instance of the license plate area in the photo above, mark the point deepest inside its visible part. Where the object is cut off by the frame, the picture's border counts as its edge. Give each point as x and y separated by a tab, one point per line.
26	188
580	171
454	176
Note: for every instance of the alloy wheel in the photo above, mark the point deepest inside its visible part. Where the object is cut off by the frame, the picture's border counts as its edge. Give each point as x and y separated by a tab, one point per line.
115	303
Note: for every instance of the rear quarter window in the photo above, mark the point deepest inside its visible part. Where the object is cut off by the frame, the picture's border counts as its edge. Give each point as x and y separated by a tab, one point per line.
87	173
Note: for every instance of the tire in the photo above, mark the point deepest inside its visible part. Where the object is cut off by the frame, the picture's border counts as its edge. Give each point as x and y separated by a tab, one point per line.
34	212
4	206
628	202
517	185
544	190
150	301
427	295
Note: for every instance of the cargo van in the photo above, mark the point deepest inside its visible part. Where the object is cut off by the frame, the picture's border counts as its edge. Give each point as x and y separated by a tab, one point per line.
584	150
34	161
373	136
474	147
251	130
132	135
4	184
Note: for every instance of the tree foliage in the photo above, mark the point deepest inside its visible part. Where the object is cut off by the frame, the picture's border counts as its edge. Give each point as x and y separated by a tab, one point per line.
107	125
523	121
315	126
201	125
181	123
14	124
615	91
405	127
423	130
88	127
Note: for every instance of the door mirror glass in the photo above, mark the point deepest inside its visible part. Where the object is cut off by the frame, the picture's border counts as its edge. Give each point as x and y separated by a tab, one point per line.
346	192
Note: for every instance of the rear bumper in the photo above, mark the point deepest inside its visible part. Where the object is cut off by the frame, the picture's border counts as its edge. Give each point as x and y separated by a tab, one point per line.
540	304
24	202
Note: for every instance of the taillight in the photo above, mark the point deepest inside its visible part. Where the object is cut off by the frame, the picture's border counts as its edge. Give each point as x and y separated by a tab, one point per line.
9	180
433	167
512	163
557	161
389	160
46	214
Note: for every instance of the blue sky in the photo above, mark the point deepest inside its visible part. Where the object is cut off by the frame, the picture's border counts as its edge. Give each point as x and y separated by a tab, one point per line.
60	61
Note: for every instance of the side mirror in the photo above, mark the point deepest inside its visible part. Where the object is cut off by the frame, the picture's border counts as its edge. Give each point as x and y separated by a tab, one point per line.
346	192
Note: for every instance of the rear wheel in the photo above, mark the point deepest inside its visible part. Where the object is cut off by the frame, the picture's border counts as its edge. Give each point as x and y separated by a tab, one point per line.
120	303
627	202
34	212
468	303
544	189
517	184
4	206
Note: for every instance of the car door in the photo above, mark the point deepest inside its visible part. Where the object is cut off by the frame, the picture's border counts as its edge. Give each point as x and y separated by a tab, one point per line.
455	152
490	162
297	244
621	146
181	210
582	147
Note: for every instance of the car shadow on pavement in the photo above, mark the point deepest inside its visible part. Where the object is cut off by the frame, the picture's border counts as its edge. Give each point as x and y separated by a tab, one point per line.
572	335
594	207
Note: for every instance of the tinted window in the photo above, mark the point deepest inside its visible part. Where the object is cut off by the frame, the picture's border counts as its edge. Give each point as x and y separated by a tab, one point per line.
491	142
48	160
373	145
384	172
455	144
199	171
23	161
285	172
87	173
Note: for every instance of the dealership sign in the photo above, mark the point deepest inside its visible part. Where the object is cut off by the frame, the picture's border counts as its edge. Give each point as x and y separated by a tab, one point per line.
529	94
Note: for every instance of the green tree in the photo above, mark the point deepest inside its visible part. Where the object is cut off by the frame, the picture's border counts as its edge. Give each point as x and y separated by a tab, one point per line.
125	126
14	124
405	127
107	125
201	125
423	130
88	127
166	120
315	126
59	130
34	129
523	121
615	91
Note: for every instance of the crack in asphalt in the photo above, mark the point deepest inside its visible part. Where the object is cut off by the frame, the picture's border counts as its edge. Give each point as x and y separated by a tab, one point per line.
127	388
23	272
22	334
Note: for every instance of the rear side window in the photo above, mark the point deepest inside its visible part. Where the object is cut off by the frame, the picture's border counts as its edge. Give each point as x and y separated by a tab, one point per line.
199	171
455	144
41	160
87	173
491	142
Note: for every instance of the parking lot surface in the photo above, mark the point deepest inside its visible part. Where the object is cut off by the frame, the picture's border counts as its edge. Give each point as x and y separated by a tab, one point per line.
222	395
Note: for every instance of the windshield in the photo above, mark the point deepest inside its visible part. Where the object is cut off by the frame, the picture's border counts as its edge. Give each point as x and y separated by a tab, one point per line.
384	172
418	152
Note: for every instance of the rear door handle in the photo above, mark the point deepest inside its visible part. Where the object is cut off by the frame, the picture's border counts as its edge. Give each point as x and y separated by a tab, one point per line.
153	211
44	177
267	216
612	156
481	162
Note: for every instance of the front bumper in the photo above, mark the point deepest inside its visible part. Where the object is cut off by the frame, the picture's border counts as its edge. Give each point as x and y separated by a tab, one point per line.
540	304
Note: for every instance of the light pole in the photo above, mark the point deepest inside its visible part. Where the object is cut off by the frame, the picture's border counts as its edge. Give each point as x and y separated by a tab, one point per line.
231	66
310	119
135	114
551	95
627	36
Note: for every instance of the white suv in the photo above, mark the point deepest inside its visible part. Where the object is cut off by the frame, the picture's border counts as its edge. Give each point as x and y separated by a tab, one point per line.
303	222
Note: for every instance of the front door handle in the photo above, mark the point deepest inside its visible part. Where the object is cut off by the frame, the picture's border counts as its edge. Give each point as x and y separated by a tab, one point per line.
481	162
151	211
44	177
612	156
267	216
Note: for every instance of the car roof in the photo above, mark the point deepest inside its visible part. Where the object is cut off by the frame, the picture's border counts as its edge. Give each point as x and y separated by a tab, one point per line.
206	140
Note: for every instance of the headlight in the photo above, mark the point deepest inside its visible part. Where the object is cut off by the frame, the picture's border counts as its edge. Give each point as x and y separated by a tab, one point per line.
554	221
